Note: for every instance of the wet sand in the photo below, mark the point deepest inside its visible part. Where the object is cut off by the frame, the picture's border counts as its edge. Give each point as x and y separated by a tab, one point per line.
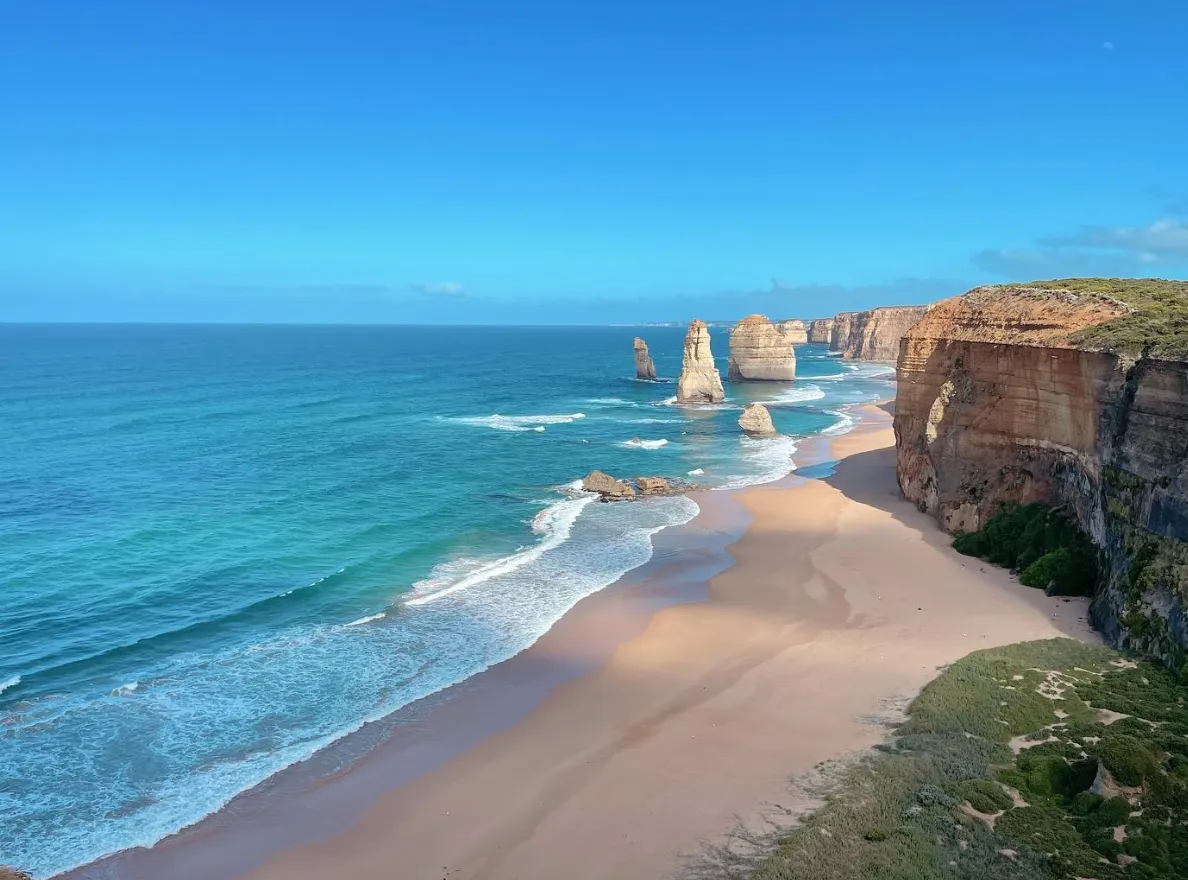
843	601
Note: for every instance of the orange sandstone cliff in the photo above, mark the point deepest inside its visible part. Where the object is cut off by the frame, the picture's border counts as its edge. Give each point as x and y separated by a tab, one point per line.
1072	393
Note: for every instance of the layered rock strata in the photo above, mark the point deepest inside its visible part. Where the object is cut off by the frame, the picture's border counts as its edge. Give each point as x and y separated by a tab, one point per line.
820	330
794	331
760	350
756	421
997	403
839	333
644	367
700	381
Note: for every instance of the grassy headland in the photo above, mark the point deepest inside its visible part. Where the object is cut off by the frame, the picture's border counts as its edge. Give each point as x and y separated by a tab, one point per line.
1156	324
1050	759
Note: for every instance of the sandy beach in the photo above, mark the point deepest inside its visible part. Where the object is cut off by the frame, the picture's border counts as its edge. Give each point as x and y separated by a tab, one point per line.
842	603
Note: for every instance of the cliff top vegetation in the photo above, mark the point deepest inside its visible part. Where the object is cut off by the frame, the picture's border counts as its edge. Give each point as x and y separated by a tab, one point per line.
1156	321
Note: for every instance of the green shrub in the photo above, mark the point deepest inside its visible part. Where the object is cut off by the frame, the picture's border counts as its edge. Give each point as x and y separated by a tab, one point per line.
1114	812
1127	758
1044	543
984	795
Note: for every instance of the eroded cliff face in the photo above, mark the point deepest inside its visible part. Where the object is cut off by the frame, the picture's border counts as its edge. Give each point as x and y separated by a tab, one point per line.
794	331
761	351
820	330
995	403
839	332
874	335
700	381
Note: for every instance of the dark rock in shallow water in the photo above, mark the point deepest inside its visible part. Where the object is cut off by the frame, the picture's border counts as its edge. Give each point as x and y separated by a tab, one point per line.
610	489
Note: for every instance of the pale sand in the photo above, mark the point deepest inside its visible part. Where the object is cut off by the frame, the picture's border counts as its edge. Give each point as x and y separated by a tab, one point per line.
843	600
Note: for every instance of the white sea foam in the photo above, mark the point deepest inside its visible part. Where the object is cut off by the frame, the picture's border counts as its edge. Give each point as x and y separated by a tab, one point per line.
125	689
555	522
650	421
799	394
636	443
370	618
696	472
609	401
767	459
10	683
845	422
518	423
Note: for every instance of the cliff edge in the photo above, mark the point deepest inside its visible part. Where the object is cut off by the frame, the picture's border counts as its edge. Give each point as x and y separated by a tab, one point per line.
1069	393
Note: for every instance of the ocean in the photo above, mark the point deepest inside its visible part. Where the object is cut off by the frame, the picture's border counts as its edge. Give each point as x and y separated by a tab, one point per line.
225	547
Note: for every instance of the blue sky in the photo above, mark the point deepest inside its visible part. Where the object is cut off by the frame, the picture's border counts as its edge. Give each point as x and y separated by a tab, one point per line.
555	162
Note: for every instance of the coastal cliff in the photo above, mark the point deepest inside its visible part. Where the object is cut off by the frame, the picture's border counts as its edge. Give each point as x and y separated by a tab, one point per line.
1069	393
820	330
644	367
700	381
794	331
759	350
873	335
839	331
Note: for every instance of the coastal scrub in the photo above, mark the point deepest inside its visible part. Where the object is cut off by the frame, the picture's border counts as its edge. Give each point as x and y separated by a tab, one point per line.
1050	759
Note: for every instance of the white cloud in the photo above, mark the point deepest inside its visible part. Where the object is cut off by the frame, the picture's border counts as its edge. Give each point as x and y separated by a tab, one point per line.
441	288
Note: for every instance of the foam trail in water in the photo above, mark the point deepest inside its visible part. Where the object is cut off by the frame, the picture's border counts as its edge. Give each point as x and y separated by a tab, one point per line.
555	522
799	394
518	423
768	458
370	618
636	443
10	683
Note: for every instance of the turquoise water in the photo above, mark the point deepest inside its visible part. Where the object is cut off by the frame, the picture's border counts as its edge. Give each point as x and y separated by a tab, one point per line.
225	547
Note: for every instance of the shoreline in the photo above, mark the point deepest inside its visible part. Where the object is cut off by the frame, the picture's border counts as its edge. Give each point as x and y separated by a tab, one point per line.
351	803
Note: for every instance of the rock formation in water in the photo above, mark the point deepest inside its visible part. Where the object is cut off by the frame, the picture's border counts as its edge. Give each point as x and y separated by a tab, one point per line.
608	487
758	350
756	421
644	368
794	331
1069	393
820	330
700	381
839	333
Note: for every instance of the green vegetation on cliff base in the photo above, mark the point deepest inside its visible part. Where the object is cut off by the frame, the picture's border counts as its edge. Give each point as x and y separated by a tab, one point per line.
1043	543
948	796
1157	325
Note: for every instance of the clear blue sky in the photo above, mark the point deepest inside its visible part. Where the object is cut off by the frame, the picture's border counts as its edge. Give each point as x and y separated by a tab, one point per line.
564	161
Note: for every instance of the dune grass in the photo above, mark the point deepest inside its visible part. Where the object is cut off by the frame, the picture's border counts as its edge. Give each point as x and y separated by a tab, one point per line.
990	776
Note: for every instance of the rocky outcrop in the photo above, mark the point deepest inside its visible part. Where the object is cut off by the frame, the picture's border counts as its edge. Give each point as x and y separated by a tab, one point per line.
700	381
820	330
839	333
874	335
759	350
610	489
794	331
644	368
756	421
997	402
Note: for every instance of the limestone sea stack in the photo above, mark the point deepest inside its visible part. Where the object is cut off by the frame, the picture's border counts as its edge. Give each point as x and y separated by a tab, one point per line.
644	368
794	331
700	381
756	421
758	350
820	330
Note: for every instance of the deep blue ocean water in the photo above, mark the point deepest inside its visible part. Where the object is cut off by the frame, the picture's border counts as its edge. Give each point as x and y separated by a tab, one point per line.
222	548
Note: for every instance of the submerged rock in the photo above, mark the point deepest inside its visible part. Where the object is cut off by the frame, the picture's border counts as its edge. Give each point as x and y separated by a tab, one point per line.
759	350
644	367
700	381
756	421
608	487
